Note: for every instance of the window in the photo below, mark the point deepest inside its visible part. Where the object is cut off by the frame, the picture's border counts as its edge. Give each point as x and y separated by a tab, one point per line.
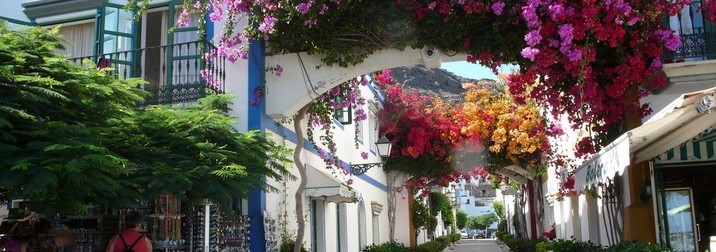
376	230
376	208
360	130
372	131
338	227
80	39
362	232
467	202
317	224
343	115
342	227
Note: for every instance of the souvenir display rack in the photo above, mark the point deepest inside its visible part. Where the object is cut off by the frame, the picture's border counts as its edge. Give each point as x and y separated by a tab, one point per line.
165	224
86	231
232	233
270	232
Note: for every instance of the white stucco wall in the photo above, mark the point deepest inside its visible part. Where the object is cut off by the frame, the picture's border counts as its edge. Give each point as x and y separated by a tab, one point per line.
371	187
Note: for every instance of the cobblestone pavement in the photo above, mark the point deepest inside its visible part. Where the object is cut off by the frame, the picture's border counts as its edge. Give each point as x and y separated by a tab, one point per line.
470	245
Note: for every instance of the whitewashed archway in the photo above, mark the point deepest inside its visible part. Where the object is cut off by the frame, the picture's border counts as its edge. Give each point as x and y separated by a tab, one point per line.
305	77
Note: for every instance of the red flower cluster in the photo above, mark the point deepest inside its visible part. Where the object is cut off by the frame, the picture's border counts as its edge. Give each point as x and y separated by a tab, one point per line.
551	234
594	59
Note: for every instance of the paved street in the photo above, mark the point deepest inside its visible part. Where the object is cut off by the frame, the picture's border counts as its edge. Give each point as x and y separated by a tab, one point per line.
469	245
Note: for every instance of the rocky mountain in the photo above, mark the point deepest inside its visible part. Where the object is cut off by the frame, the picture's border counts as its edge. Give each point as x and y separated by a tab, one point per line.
432	82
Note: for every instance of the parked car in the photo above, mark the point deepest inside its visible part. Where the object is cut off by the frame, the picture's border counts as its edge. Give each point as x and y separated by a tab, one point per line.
463	234
480	234
472	234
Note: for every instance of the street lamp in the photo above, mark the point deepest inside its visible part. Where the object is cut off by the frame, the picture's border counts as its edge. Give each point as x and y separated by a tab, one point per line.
384	148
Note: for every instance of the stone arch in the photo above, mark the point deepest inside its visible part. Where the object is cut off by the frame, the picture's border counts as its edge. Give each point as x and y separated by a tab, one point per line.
285	95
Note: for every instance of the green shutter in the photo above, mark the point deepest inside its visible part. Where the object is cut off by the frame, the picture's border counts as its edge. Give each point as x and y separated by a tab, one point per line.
117	39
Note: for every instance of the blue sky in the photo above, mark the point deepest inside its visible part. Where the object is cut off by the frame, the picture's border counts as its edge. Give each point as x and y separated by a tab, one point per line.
474	71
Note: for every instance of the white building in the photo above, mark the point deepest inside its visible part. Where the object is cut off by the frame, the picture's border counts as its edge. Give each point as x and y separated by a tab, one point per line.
654	182
476	196
337	219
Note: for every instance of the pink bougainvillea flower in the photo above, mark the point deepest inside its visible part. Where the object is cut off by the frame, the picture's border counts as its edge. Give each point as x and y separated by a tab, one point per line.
498	7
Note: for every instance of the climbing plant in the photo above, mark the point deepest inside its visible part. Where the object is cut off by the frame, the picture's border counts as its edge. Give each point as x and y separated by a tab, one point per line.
594	59
72	134
441	203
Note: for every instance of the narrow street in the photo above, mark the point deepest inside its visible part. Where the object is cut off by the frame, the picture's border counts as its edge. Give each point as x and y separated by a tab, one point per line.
469	245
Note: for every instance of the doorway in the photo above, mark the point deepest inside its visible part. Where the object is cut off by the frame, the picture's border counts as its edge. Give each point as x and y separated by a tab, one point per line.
687	205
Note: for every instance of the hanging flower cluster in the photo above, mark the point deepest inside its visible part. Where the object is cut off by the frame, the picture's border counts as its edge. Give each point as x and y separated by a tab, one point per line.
512	131
320	117
439	143
594	58
709	9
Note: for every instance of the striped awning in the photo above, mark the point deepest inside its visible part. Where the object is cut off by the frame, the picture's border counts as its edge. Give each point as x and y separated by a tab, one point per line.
680	132
699	149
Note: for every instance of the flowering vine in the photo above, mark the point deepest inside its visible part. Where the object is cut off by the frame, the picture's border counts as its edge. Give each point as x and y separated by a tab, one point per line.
320	118
594	58
438	143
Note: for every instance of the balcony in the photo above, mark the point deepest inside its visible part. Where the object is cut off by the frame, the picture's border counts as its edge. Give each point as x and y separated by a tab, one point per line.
172	71
694	47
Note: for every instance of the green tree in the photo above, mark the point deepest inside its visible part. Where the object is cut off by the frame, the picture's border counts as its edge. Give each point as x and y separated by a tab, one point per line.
421	216
482	221
499	208
72	134
53	116
461	219
440	203
486	220
195	152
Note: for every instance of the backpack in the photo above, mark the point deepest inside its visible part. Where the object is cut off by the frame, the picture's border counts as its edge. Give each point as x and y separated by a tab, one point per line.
130	248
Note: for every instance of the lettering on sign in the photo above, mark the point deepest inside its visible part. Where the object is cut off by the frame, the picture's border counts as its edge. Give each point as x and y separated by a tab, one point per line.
595	171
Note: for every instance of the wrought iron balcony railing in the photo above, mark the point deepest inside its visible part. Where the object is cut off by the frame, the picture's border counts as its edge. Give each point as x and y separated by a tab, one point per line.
694	47
172	71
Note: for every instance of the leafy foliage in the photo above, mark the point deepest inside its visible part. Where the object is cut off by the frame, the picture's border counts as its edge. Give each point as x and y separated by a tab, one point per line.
421	216
461	219
499	208
72	135
391	246
440	203
594	59
53	115
482	221
195	152
439	244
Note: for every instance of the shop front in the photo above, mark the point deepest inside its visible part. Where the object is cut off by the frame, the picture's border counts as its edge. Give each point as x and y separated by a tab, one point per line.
673	151
168	223
686	194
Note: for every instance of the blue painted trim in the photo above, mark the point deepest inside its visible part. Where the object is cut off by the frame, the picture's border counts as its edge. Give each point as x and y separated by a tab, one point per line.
321	187
257	197
209	26
338	123
379	94
373	152
290	136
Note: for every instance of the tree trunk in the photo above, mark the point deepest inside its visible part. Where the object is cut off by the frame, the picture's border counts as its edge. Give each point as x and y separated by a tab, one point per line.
391	203
302	171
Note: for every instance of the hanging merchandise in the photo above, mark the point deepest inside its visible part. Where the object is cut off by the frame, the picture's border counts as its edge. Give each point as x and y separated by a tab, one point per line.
233	233
86	233
270	232
166	224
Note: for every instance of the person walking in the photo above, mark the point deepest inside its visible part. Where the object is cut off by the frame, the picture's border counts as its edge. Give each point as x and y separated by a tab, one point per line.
130	239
